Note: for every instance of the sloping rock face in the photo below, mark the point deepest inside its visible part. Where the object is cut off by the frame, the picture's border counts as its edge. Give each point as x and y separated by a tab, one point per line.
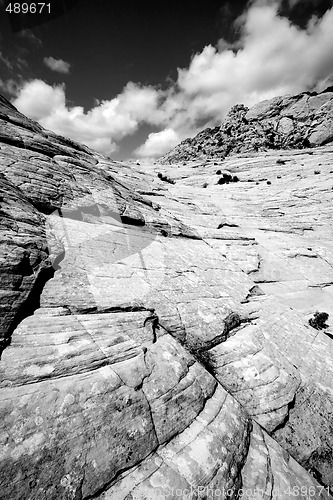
148	354
303	120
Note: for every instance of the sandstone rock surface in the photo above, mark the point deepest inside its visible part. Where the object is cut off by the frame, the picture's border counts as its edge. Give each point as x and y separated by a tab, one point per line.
303	120
156	341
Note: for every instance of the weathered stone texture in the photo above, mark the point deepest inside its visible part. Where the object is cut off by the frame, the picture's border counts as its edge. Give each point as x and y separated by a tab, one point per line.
156	338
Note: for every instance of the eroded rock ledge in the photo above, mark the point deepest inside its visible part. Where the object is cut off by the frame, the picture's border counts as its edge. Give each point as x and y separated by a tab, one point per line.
225	387
286	122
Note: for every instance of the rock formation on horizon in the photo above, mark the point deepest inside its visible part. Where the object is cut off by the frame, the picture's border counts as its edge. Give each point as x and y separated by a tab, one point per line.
287	122
155	336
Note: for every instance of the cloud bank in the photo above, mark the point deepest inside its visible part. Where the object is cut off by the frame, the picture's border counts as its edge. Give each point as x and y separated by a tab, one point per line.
272	58
159	143
99	128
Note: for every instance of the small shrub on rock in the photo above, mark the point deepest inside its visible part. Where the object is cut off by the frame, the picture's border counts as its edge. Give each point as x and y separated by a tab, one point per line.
227	178
317	172
269	182
205	184
319	320
280	162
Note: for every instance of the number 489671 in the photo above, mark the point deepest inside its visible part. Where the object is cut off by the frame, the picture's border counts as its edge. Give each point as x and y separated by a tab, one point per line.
28	8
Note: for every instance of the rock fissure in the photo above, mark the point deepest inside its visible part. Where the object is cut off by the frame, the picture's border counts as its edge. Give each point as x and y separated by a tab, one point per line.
270	475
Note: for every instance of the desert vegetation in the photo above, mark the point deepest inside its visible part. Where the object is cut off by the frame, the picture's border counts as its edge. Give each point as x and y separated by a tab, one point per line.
318	321
226	178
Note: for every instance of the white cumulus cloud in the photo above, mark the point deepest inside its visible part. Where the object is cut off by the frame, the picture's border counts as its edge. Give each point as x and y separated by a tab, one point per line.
158	143
100	127
40	101
57	65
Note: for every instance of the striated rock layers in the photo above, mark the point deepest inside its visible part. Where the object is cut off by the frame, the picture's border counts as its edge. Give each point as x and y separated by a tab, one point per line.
155	336
303	120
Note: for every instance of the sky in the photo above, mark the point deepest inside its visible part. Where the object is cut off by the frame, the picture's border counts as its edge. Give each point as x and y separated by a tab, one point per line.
133	79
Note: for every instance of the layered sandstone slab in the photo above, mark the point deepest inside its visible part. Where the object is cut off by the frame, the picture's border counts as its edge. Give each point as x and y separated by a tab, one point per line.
150	361
275	226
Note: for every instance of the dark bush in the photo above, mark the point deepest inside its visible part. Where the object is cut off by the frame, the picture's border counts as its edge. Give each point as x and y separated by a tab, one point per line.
205	185
269	182
227	178
159	175
218	172
317	171
280	162
319	320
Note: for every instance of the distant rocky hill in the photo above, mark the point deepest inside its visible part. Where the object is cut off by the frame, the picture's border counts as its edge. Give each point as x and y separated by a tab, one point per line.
154	323
288	122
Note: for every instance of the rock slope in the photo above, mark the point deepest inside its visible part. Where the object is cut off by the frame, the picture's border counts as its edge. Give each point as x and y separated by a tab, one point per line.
303	120
155	336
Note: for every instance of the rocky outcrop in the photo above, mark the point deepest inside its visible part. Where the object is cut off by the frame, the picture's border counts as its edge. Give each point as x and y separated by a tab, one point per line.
303	120
156	336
